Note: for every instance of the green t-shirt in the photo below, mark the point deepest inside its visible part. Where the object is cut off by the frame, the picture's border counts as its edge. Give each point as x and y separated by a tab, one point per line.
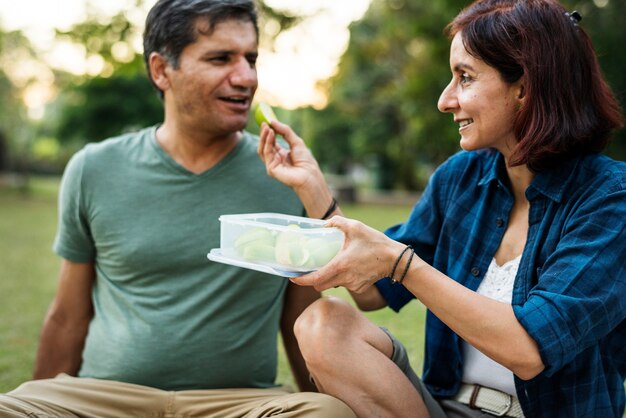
166	316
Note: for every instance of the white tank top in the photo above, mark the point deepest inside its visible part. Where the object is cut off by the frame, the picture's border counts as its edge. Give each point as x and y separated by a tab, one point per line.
478	368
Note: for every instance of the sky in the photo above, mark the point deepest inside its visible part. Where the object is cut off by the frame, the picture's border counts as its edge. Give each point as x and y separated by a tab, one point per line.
302	56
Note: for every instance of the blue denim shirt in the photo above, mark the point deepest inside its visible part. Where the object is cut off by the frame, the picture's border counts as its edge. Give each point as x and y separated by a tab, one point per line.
569	292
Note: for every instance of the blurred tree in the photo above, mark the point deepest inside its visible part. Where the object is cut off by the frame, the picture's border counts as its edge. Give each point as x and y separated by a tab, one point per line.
384	97
386	88
15	127
605	21
102	107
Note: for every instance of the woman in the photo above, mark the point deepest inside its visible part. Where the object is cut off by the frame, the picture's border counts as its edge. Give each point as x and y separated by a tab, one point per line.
516	247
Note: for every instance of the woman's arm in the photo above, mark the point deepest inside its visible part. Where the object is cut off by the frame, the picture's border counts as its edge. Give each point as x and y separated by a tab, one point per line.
490	326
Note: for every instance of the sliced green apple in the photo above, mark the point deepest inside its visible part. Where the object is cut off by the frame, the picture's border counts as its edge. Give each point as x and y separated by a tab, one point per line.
259	252
255	236
290	248
264	113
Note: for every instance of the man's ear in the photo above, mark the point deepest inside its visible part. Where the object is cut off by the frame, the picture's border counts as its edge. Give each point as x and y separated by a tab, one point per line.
158	65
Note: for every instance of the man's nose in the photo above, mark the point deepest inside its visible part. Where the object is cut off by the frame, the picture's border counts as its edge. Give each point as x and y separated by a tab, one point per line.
244	74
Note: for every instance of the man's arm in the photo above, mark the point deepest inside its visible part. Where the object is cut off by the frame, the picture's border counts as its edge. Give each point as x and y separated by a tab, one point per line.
66	323
297	298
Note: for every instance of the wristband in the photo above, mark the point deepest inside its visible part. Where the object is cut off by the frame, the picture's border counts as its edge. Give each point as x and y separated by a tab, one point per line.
395	265
331	209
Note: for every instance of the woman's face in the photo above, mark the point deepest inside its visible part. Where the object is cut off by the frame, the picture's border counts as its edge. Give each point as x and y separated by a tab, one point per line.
482	103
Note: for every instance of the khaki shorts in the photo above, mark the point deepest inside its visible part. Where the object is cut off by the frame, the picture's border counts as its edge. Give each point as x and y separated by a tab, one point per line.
66	396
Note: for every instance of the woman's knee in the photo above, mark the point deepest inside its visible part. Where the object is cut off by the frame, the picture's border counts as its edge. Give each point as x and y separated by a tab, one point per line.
325	324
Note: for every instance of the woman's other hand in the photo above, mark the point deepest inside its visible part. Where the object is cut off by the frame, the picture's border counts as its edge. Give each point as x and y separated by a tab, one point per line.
367	255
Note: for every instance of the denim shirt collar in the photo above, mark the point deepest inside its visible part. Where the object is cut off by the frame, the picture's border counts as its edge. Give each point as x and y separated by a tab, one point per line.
550	183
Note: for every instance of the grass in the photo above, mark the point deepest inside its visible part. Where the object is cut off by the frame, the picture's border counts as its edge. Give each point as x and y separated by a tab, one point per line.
28	272
29	268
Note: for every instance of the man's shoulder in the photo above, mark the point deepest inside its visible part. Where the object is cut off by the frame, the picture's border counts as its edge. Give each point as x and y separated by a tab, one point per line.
119	144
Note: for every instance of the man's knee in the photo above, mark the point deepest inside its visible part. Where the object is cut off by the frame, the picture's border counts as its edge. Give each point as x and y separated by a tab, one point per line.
14	407
315	405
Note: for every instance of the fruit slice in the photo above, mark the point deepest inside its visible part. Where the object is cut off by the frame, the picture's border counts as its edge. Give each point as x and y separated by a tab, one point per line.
321	252
264	113
252	237
259	252
291	248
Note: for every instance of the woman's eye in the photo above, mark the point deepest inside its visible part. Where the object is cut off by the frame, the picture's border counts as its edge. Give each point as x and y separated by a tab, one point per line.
465	78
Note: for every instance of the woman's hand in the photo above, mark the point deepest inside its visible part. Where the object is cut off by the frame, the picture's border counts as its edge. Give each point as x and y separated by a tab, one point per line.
367	256
294	166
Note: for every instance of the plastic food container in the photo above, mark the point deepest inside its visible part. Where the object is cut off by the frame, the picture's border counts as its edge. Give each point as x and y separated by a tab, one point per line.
275	243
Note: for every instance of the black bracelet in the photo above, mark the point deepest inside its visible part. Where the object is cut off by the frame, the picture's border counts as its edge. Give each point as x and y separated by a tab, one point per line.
395	265
408	263
331	209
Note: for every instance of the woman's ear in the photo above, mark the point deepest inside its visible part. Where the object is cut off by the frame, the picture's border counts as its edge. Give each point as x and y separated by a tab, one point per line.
520	92
521	88
157	65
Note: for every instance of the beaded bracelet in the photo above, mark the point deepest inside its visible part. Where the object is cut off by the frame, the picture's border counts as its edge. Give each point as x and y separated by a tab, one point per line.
331	209
395	265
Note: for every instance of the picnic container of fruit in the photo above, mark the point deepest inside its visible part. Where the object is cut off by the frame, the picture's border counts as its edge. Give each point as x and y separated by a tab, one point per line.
278	244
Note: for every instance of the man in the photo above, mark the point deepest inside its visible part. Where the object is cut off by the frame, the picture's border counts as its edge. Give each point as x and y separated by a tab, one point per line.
148	325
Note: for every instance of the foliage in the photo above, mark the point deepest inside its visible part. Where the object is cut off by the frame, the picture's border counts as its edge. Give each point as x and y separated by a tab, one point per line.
14	129
382	97
103	107
382	110
607	28
110	42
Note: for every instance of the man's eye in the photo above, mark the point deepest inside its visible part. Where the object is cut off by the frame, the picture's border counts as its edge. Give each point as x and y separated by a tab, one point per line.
252	60
219	59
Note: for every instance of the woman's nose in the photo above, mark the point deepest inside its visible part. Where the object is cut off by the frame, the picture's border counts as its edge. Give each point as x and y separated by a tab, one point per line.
448	100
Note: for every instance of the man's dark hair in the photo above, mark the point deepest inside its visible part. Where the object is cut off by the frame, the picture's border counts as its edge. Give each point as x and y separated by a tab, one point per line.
171	24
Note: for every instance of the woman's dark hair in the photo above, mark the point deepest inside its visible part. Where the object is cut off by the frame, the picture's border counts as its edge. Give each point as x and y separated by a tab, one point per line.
569	109
171	24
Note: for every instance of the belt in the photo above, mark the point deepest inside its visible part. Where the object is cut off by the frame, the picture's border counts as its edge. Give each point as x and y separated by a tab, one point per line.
489	400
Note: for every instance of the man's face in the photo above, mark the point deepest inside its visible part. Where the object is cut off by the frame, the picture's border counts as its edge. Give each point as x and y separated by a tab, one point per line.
213	86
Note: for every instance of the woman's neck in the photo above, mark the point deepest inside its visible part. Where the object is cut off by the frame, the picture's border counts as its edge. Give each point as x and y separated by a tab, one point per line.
520	178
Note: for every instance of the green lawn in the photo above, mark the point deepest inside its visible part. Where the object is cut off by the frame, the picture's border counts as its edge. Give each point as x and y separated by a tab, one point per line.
28	272
28	275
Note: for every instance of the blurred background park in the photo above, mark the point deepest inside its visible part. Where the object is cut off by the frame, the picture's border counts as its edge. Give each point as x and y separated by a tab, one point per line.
358	79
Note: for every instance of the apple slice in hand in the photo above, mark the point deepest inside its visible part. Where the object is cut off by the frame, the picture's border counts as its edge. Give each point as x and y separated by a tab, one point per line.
264	113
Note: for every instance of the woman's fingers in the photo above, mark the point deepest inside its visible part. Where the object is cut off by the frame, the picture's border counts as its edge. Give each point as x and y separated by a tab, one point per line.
264	139
268	150
320	280
287	133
